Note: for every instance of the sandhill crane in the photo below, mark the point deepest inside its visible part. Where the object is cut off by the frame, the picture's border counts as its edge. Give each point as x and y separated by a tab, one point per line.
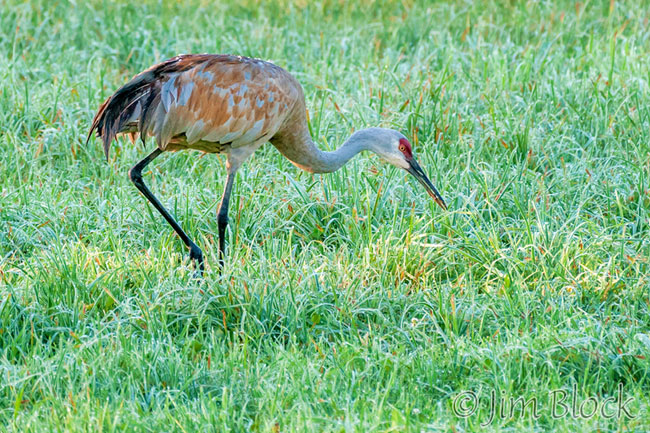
232	105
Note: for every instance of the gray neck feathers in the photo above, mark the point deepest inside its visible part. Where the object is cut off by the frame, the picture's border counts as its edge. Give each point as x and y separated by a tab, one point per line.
327	162
301	151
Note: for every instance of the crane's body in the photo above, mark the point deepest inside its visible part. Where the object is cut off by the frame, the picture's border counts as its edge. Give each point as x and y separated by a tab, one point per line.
232	105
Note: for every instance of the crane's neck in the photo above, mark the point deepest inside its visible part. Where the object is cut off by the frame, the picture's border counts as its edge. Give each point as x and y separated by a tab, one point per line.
301	151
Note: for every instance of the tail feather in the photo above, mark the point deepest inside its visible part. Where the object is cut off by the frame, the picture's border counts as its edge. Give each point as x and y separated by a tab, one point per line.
96	120
144	123
117	112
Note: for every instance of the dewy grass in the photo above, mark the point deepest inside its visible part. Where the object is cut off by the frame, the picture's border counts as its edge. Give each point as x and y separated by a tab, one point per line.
349	301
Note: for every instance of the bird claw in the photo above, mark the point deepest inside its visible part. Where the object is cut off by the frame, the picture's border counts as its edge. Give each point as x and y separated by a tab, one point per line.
196	256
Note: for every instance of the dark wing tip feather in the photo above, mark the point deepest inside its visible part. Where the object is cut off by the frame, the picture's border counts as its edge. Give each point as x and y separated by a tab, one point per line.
106	139
113	114
95	126
145	116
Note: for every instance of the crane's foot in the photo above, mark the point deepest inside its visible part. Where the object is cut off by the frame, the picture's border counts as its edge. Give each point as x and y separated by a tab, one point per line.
220	267
196	255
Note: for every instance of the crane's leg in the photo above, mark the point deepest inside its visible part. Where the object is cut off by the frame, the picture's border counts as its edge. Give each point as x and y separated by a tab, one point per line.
135	174
235	159
222	216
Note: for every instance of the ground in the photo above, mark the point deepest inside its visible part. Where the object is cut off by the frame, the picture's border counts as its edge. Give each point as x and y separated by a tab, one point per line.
349	301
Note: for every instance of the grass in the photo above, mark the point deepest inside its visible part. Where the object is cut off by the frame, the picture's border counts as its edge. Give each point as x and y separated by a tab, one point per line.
350	302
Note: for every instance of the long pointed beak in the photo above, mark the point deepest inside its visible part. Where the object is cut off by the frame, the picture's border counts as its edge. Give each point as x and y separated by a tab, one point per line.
418	173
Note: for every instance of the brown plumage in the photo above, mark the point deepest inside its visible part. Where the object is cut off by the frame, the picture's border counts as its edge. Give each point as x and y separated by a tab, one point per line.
233	105
201	101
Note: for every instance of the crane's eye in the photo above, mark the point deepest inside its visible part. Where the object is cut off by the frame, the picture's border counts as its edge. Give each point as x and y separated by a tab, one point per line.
402	148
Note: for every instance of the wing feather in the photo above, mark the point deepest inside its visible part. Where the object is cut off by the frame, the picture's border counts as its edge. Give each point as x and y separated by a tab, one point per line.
233	102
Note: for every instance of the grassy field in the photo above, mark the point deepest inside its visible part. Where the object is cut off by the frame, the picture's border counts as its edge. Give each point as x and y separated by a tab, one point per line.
350	301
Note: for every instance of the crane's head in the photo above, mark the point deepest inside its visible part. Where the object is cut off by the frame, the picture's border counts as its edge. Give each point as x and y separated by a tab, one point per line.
394	147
